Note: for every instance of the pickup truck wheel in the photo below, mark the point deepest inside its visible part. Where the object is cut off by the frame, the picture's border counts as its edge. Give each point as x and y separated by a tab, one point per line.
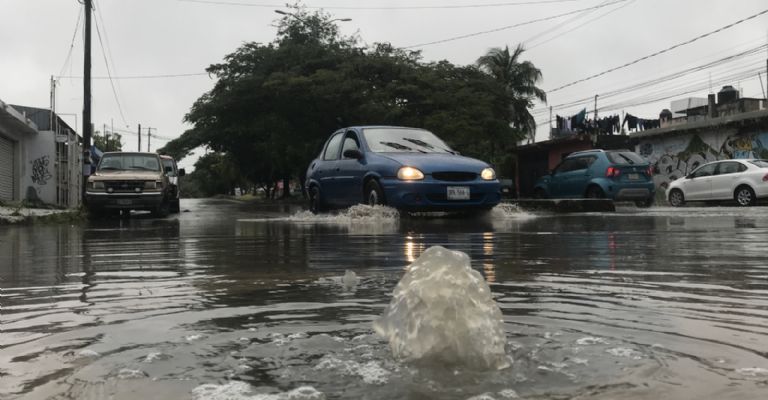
175	206
162	210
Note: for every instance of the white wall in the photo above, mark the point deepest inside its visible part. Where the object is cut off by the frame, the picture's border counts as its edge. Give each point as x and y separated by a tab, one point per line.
39	173
676	156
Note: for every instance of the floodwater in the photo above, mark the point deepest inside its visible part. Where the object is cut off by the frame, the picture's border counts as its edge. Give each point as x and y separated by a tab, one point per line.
236	301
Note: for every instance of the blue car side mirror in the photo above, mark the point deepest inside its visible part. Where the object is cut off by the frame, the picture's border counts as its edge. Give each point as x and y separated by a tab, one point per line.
353	153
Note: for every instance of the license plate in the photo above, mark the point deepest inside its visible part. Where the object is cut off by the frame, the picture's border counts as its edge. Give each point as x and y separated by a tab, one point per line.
634	177
123	202
458	193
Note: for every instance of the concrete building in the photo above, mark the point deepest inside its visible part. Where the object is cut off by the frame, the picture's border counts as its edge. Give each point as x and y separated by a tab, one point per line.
40	157
727	127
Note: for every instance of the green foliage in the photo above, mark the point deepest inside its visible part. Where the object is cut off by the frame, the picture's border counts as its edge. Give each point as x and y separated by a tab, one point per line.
214	174
518	79
275	104
111	143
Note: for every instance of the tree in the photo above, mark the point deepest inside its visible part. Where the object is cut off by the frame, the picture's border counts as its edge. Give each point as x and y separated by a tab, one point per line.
519	80
275	104
112	142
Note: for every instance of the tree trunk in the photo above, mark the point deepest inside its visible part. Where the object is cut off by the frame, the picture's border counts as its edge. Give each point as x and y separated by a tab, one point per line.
286	187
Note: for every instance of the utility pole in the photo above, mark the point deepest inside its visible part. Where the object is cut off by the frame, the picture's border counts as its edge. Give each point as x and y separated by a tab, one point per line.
87	126
53	104
595	107
149	136
139	149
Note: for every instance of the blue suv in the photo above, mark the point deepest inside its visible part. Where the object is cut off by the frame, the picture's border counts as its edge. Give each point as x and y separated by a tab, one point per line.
614	174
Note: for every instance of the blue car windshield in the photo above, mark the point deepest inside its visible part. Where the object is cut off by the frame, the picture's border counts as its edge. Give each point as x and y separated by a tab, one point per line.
398	140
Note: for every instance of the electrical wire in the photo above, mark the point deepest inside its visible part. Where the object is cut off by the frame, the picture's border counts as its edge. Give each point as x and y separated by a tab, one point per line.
109	72
503	28
72	44
662	79
580	26
377	8
138	76
557	26
668	49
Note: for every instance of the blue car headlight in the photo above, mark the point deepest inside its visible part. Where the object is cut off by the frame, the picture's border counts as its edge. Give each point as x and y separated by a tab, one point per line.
409	174
488	174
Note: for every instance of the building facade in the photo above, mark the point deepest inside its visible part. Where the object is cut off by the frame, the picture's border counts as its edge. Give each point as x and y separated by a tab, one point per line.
727	129
40	158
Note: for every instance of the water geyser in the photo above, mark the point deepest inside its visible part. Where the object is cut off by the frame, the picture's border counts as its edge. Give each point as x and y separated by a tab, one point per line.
442	312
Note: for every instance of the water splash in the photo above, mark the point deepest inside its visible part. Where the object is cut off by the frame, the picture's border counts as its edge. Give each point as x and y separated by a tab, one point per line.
510	211
360	213
442	312
350	280
237	390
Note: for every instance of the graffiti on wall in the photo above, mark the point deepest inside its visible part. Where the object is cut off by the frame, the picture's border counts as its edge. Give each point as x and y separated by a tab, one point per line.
674	158
40	173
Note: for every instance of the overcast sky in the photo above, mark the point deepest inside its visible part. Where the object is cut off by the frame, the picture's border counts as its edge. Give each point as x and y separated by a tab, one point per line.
177	37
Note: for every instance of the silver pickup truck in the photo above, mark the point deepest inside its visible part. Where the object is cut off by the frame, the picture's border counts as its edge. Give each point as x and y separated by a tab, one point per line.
126	181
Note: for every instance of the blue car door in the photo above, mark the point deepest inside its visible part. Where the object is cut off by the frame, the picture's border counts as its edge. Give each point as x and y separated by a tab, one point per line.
575	181
350	172
327	171
558	179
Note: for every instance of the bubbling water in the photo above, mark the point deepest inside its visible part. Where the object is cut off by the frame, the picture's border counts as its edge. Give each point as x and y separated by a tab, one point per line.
442	312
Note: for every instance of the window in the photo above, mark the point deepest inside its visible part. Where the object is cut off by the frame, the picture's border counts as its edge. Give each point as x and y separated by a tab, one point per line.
403	140
760	163
350	143
624	157
129	161
575	164
706	170
332	150
168	166
730	167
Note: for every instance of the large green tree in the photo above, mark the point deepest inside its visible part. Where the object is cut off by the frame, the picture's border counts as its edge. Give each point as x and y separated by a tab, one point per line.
519	79
274	104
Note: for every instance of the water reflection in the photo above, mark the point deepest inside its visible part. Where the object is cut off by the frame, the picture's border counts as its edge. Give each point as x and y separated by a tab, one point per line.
615	306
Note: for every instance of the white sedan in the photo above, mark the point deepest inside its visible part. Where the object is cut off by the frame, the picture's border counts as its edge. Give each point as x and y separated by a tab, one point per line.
744	181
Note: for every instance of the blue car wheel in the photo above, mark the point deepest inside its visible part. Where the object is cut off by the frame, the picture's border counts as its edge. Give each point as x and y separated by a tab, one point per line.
374	195
315	201
594	192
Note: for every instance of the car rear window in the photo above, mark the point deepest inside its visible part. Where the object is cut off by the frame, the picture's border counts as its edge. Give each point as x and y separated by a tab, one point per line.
760	163
625	157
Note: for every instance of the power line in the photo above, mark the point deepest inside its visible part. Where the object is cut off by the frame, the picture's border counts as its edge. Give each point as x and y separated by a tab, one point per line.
668	49
558	26
458	6
109	73
72	44
659	80
699	85
159	76
503	28
581	25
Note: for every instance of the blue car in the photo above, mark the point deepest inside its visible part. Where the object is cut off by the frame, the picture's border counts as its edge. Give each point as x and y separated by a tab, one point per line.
407	168
614	174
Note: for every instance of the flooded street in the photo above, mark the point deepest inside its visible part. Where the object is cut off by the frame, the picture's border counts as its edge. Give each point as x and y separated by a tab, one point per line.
236	301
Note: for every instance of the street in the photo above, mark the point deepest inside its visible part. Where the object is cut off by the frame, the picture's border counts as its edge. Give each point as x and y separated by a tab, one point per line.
641	303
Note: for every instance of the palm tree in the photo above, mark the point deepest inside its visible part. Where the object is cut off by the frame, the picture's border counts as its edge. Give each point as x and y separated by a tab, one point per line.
519	80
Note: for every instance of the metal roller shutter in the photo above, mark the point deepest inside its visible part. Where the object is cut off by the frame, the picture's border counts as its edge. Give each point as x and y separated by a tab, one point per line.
7	163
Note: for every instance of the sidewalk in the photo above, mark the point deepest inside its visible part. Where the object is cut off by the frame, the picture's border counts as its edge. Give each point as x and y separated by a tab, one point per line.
16	215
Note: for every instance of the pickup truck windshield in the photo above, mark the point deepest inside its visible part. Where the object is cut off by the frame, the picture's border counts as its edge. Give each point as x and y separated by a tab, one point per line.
129	162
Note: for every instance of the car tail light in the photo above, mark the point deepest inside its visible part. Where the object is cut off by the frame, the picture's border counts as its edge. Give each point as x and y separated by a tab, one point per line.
612	172
765	178
649	171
